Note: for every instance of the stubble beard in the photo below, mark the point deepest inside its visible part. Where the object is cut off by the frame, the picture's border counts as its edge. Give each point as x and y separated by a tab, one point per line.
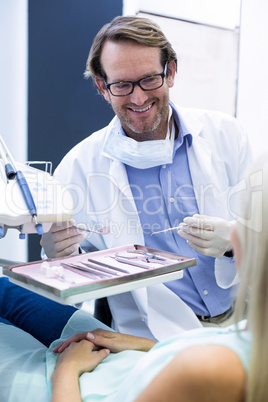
146	130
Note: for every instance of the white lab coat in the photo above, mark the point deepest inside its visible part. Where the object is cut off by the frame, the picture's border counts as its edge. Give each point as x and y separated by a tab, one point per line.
217	158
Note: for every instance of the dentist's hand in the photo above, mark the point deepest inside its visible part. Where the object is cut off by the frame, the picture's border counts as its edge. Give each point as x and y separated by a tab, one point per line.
62	240
207	235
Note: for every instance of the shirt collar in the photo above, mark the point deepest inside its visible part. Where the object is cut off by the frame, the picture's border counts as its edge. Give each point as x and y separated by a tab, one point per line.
183	130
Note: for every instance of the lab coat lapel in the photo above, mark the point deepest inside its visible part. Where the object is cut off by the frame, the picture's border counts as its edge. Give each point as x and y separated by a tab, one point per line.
123	217
119	175
206	167
199	159
206	182
198	151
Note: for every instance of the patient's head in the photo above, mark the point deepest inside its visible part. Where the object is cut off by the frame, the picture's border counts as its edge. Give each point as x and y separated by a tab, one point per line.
250	236
250	243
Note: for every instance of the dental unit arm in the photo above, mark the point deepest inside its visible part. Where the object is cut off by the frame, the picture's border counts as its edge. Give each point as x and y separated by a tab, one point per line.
30	199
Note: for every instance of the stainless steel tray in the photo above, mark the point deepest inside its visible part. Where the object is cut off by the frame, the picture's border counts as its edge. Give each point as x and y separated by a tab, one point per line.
74	287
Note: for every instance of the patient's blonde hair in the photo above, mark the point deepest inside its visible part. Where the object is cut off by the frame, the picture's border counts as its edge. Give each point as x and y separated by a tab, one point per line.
252	229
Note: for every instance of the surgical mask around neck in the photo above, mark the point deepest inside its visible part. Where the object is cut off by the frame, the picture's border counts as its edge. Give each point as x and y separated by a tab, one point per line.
141	155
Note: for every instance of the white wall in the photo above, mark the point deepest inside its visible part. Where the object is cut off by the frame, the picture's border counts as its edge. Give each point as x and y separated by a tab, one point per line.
252	96
205	35
207	63
221	13
13	100
252	105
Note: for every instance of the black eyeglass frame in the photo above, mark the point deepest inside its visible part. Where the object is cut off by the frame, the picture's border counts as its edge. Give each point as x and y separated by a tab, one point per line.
134	83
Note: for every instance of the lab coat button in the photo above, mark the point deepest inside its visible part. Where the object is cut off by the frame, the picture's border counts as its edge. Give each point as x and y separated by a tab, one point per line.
205	292
171	199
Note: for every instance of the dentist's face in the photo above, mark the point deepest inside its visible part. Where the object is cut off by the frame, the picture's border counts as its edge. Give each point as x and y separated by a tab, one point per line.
143	114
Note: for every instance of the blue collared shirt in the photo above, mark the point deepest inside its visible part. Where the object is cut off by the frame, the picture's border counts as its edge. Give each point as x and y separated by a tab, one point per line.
164	196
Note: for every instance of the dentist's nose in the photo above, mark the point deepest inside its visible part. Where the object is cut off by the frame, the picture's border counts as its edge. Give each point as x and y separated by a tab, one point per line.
138	96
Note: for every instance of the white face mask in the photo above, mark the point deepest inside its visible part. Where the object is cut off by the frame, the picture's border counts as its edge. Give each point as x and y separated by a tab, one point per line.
141	155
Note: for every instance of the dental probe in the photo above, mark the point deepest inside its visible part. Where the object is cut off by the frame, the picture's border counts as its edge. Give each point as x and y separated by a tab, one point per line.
102	231
169	229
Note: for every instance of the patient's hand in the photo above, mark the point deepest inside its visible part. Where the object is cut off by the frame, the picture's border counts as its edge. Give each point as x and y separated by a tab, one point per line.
114	341
79	357
74	361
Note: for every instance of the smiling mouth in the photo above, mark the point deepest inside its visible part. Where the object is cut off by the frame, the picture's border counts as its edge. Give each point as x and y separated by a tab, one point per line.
141	110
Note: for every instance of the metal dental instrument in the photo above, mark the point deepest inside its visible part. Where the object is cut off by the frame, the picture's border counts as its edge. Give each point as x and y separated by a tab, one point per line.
85	271
97	264
102	231
169	229
131	261
99	272
146	254
101	269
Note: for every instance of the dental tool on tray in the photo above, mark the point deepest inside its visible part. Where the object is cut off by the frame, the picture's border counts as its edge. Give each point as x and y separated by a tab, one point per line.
95	269
147	255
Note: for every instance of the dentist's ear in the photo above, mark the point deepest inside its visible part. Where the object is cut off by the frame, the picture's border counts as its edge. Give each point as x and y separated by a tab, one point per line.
171	73
236	246
102	88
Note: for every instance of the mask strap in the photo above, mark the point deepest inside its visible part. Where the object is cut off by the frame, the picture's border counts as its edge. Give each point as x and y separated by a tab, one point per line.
170	133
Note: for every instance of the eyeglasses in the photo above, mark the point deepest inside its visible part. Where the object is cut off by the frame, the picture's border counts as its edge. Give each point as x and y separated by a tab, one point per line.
124	88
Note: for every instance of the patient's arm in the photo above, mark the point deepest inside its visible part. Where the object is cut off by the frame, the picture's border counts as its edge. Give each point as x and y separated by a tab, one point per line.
114	341
74	361
200	373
